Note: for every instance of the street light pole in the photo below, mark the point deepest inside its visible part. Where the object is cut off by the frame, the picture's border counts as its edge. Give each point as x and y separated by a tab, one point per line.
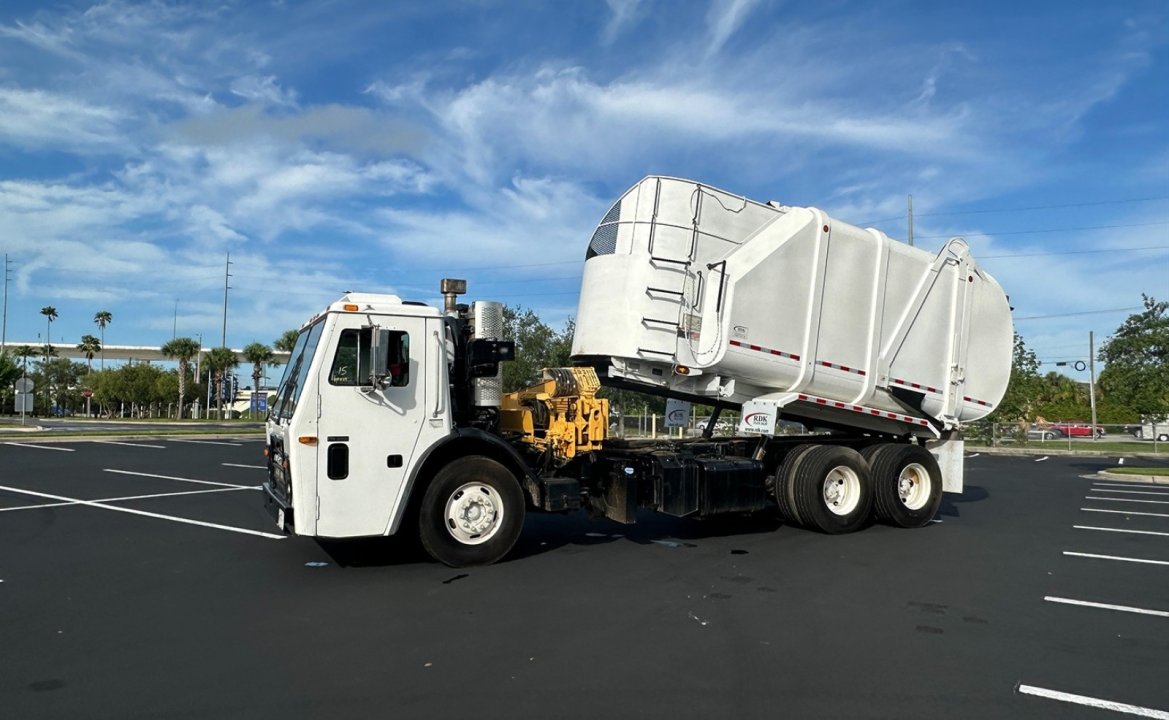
226	287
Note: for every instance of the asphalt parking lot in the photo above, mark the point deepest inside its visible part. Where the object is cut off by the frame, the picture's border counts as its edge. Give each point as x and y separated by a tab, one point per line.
144	580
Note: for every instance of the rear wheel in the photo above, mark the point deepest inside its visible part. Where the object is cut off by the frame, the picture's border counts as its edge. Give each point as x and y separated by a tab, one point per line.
472	513
785	483
1163	437
907	485
832	490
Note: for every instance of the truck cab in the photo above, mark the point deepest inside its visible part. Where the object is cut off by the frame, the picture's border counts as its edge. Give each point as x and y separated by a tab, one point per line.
362	363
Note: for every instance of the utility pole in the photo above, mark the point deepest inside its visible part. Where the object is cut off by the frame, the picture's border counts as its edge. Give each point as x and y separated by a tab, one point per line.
1092	379
910	221
226	287
4	330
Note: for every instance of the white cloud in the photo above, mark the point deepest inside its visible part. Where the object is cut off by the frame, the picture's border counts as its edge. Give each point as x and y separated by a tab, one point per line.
38	119
263	89
624	14
723	19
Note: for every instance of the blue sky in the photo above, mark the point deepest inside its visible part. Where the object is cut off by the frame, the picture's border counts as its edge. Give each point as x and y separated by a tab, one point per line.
334	146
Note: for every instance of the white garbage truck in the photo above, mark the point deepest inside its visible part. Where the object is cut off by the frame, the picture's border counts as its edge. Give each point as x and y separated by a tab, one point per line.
391	416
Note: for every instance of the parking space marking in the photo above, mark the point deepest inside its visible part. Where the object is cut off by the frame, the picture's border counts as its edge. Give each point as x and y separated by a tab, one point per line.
143	513
1042	459
1121	530
180	479
1126	512
1094	702
207	442
254	467
1116	557
1106	606
124	499
1150	502
1131	492
129	444
1134	483
40	447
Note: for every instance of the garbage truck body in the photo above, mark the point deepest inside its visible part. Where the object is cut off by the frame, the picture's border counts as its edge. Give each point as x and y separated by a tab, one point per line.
391	415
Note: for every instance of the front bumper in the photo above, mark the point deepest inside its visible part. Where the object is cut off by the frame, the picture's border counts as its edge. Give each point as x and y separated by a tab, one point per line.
279	510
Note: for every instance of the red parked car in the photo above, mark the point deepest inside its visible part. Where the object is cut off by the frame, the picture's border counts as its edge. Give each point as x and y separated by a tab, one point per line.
1077	429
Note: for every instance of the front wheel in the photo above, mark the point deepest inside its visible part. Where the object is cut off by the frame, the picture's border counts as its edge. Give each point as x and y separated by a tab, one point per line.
472	513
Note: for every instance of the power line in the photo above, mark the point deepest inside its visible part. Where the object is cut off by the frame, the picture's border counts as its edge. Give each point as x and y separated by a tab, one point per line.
1074	252
1049	230
1072	314
1025	208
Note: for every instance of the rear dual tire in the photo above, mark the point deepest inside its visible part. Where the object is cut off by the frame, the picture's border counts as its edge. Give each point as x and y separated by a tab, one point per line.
825	488
834	489
907	484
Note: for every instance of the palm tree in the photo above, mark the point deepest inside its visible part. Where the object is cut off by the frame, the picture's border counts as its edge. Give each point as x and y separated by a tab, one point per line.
89	346
220	360
182	349
287	341
258	354
103	318
50	314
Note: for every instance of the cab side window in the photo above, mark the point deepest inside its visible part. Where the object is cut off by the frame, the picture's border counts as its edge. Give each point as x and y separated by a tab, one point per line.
399	360
351	361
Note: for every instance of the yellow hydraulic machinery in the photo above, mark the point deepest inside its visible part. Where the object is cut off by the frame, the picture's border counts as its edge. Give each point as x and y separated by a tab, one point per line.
562	414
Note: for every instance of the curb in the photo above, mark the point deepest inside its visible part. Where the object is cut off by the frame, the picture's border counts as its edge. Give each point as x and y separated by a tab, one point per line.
1024	452
1154	479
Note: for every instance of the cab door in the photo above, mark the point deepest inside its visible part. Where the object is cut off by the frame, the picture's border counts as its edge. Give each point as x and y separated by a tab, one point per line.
368	435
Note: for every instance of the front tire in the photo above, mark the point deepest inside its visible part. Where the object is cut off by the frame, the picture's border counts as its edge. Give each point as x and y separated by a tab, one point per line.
472	513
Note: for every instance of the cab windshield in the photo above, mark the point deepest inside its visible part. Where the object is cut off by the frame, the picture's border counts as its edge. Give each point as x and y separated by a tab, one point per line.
299	361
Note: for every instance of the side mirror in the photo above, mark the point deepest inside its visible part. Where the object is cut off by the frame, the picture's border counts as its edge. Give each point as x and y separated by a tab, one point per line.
379	357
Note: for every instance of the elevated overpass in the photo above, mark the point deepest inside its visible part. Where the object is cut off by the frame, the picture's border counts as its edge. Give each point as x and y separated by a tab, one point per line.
134	353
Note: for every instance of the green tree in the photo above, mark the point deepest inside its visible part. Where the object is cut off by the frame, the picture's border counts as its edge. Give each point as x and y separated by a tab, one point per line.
62	381
287	341
183	349
89	346
1136	361
9	373
1018	403
221	361
103	318
50	314
258	354
538	346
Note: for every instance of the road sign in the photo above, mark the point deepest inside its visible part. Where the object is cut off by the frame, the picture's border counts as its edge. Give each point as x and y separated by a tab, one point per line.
87	393
24	385
23	402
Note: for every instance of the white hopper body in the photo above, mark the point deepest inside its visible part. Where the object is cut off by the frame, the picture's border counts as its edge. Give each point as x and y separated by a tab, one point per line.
690	291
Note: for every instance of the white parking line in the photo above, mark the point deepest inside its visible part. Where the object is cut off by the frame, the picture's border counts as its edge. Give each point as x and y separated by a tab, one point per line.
1094	702
1131	492
1042	459
1136	483
1126	512
129	444
131	497
255	467
1106	606
172	518
40	447
207	442
1116	557
172	477
1150	502
1120	530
